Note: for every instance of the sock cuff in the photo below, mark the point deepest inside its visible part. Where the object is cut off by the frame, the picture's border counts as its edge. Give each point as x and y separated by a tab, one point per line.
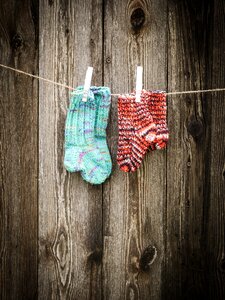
80	119
77	95
157	103
103	101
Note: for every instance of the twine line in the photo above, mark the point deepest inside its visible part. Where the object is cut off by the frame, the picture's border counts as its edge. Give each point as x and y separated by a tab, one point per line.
71	88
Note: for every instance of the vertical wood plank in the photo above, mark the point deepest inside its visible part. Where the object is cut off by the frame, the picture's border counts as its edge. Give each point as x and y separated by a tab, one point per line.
70	213
178	153
184	277
214	208
18	150
135	33
194	243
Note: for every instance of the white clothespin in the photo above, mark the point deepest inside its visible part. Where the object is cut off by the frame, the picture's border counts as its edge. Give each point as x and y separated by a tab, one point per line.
139	83
87	83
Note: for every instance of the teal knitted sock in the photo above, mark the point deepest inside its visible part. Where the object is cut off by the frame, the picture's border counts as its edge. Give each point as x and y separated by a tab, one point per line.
103	101
81	151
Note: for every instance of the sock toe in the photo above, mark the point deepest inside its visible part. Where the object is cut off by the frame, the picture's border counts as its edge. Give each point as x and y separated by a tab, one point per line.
96	175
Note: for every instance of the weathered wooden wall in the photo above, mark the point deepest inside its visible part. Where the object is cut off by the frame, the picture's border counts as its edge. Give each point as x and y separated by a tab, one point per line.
61	238
18	151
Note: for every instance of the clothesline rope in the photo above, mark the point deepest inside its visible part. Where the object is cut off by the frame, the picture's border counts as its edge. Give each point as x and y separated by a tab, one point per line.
71	88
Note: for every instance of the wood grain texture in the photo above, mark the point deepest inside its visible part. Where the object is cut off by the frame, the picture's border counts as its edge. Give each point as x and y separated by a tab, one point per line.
70	210
156	234
134	204
195	224
214	222
18	150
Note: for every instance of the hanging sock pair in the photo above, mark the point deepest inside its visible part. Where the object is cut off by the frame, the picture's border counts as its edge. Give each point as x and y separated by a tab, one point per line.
142	126
86	148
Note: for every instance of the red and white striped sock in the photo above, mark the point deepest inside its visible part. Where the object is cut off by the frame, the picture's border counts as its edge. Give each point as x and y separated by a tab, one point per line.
144	131
136	131
158	108
125	133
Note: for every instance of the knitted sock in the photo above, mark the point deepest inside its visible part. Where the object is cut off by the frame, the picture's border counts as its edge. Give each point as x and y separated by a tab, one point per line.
125	132
144	131
136	131
103	100
81	151
158	108
102	97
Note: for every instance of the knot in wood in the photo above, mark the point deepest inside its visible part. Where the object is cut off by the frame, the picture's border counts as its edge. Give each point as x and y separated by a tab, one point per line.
187	203
147	258
17	41
137	19
95	257
195	128
188	100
